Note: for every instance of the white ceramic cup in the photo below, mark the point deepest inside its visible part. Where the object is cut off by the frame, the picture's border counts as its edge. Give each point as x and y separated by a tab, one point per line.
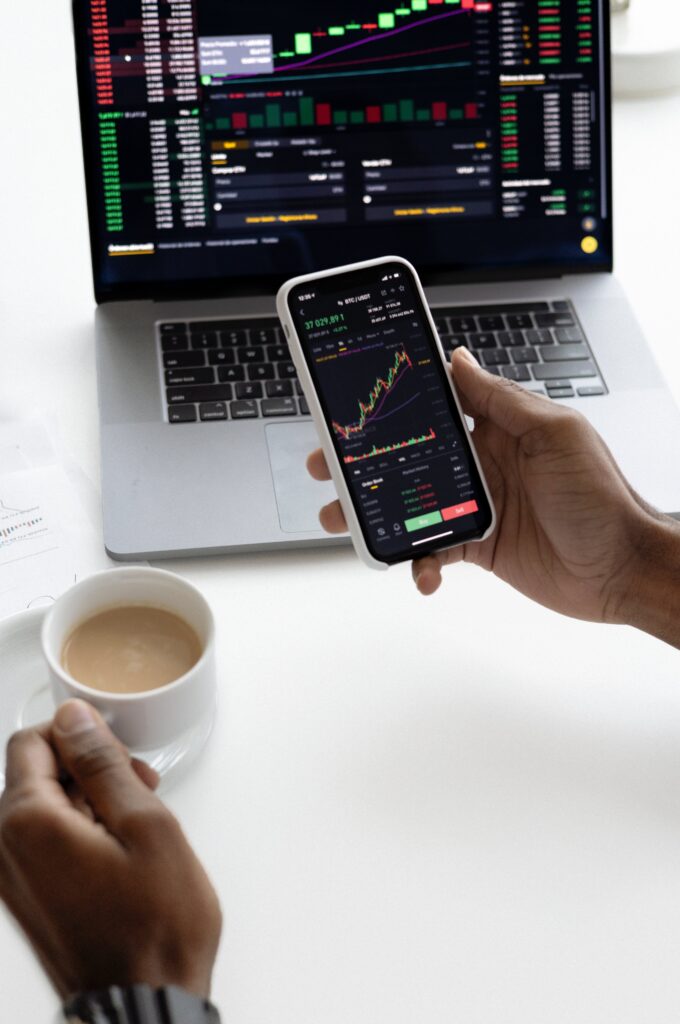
154	718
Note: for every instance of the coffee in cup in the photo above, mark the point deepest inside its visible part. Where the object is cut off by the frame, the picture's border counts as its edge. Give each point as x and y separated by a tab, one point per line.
139	644
130	649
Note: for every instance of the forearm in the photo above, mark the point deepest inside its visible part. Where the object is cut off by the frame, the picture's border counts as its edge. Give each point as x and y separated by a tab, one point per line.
653	601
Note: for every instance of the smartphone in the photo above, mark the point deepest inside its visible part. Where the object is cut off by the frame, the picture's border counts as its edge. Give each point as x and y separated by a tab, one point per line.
380	392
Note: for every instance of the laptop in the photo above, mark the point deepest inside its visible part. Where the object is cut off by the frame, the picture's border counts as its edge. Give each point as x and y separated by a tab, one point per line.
230	146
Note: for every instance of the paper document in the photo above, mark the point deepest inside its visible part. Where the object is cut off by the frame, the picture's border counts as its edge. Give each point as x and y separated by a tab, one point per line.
47	540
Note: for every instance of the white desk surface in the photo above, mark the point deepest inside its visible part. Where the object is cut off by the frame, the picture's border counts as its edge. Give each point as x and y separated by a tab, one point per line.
463	808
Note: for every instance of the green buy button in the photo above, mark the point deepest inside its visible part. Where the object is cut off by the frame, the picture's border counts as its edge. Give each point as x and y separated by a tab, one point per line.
420	522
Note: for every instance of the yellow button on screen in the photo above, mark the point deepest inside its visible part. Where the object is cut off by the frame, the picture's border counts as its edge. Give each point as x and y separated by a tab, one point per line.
589	244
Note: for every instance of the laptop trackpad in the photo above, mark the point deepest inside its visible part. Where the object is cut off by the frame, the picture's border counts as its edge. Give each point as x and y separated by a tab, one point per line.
298	497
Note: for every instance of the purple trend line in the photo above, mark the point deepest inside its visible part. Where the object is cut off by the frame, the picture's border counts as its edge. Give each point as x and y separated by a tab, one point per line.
371	39
382	401
378	419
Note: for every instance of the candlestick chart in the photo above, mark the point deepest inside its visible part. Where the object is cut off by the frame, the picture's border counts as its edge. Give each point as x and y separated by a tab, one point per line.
366	436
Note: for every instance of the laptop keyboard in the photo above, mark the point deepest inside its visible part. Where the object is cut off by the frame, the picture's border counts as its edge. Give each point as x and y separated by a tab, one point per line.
241	368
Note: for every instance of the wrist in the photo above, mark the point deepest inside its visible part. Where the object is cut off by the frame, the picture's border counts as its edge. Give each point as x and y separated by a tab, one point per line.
651	598
139	1004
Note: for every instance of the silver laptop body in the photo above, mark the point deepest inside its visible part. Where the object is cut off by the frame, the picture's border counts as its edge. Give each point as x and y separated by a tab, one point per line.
203	487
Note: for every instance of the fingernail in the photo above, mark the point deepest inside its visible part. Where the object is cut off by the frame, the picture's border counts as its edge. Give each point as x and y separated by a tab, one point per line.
75	716
467	355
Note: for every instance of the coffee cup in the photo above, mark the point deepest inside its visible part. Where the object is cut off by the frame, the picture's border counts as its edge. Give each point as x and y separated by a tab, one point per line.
145	719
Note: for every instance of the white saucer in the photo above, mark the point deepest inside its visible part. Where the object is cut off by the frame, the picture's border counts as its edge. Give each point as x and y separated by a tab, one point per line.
26	699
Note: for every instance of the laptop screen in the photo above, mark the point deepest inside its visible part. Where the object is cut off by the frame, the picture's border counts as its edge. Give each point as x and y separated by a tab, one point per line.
230	145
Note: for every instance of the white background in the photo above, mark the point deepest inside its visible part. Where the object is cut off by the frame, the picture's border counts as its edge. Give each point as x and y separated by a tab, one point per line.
465	808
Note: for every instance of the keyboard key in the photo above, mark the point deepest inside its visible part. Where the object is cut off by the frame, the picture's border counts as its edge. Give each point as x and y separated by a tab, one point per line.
554	354
206	376
590	390
542	337
221	357
198	326
563	371
564	392
554	320
463	324
505	308
298	388
492	322
304	408
453	341
175	359
518	373
174	342
234	337
206	339
442	325
260	371
495	370
286	371
182	414
484	339
511	338
495	358
244	410
524	355
209	393
174	328
251	355
568	334
519	320
560	305
279	407
265	336
277	353
229	373
249	390
213	411
278	388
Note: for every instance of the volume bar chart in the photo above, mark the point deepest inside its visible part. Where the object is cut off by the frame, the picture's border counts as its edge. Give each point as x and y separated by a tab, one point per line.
385	449
306	112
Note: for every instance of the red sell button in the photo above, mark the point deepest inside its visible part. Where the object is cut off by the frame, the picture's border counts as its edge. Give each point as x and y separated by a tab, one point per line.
456	511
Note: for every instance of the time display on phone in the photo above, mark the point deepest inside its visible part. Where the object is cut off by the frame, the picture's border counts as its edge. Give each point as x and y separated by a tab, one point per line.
388	404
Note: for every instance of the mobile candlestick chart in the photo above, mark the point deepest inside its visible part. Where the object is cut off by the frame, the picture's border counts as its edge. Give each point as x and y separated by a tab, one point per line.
380	391
381	404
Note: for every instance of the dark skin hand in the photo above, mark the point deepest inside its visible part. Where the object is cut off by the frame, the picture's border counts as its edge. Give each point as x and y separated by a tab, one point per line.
94	867
571	534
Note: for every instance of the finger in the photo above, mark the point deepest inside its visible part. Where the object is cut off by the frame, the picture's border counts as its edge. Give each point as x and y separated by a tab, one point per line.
502	401
332	518
146	773
317	466
427	572
99	765
465	404
78	801
31	765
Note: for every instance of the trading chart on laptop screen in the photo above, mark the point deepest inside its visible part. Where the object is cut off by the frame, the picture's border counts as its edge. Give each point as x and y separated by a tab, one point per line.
233	140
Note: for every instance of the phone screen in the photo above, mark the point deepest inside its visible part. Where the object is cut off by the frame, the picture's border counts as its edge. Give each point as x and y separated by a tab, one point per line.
386	397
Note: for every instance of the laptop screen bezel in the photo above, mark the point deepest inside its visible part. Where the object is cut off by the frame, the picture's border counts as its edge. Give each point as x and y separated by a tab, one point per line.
198	288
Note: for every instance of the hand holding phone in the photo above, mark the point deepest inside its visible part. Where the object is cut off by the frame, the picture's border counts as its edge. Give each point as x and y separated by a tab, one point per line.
394	436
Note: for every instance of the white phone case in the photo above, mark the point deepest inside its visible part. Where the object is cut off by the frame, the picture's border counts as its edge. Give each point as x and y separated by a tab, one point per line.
323	430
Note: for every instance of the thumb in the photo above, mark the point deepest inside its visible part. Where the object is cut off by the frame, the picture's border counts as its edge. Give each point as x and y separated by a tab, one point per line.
99	764
497	399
